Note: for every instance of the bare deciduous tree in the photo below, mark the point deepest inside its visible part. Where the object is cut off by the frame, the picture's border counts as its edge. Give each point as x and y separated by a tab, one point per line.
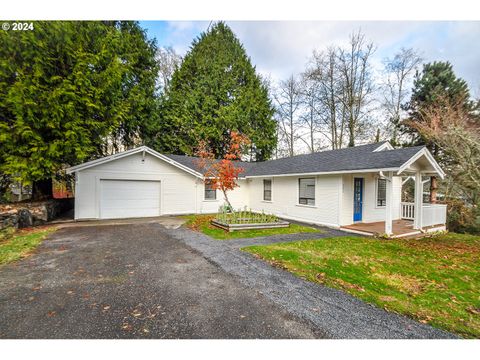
323	70
168	61
397	73
456	132
310	117
356	81
288	101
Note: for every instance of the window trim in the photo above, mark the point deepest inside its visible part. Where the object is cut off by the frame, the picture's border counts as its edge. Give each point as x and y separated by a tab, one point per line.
205	184
271	190
377	179
314	192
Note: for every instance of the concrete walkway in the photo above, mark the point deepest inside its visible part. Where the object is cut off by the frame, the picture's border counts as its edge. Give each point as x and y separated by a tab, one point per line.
335	313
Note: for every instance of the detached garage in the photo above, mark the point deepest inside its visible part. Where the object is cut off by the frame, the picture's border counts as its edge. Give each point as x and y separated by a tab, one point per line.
137	183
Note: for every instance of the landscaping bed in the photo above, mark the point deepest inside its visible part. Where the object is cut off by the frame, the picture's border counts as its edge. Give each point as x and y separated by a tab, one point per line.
247	220
203	224
434	280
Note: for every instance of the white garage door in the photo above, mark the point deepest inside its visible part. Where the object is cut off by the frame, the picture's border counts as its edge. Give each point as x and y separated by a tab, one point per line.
129	198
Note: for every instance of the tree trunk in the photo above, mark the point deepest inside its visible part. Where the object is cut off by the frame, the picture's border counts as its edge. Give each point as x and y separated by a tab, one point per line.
42	189
433	189
227	200
433	179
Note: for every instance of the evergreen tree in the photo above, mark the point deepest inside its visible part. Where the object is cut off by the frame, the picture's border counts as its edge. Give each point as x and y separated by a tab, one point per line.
436	82
68	87
215	91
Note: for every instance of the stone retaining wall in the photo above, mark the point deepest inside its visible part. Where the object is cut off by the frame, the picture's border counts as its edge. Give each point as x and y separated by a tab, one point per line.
26	214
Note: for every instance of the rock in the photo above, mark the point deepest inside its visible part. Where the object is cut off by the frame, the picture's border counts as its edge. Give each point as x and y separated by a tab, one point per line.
24	218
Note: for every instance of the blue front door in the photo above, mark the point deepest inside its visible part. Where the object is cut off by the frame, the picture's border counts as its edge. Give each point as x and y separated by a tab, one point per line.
357	199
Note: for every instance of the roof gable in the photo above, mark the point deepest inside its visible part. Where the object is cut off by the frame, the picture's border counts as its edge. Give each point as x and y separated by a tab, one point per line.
120	155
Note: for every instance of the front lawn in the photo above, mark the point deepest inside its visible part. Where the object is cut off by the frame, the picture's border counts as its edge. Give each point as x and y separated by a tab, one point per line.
202	223
15	245
435	280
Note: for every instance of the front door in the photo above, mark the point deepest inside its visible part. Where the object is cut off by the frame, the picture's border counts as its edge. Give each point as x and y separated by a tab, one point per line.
357	199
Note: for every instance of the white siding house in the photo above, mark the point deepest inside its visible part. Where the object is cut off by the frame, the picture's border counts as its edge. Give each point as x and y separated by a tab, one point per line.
332	188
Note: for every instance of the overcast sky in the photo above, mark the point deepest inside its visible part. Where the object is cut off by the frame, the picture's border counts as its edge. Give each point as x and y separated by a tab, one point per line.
280	48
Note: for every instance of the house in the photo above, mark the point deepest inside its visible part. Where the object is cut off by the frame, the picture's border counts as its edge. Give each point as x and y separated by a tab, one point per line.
357	189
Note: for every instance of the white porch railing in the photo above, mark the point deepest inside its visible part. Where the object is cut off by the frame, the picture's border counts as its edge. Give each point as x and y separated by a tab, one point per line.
408	210
432	214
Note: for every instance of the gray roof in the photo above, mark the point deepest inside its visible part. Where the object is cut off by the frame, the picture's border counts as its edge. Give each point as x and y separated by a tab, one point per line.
355	158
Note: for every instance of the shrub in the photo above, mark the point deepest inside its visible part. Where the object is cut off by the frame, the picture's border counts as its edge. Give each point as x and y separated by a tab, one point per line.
462	218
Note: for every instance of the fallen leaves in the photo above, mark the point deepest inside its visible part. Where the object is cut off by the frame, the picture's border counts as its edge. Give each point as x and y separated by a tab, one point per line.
473	310
387	298
136	313
127	327
346	285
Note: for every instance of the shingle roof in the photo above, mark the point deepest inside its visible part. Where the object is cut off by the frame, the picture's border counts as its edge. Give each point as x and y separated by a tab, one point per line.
192	162
355	158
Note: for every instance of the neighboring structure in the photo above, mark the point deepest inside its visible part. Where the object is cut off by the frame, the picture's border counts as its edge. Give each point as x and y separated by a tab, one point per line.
358	189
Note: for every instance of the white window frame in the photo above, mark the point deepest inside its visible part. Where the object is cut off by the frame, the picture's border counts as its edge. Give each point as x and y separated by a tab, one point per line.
205	193
271	190
314	193
377	179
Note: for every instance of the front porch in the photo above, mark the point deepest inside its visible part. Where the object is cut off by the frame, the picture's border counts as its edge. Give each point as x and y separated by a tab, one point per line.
378	209
400	228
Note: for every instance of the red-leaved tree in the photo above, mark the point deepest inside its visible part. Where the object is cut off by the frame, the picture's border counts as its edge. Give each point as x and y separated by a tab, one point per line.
223	174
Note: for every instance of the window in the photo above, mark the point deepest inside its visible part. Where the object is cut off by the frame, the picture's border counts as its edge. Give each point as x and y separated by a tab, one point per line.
306	191
267	190
381	192
210	192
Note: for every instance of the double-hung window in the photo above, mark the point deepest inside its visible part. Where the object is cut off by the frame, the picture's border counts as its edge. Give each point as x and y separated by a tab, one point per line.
267	190
210	192
381	192
306	188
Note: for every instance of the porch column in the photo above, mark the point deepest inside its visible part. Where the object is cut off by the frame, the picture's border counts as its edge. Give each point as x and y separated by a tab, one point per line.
388	205
417	218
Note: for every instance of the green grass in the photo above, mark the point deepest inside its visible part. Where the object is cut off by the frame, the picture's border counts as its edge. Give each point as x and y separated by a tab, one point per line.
16	245
435	280
202	223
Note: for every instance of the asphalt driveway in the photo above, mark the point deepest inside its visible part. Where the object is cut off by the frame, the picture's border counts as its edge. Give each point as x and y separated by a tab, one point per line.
133	281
